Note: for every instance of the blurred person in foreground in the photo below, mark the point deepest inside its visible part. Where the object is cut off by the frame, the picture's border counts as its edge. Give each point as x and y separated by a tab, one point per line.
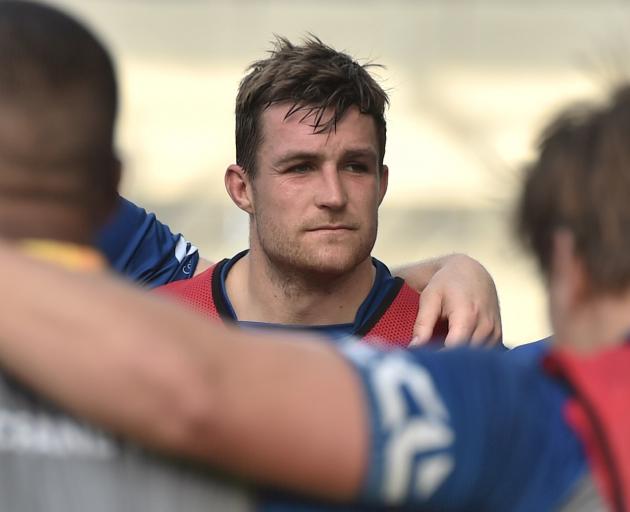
452	430
310	174
58	182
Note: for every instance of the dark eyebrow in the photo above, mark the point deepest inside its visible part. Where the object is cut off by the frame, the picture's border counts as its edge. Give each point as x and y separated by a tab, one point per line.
361	153
296	156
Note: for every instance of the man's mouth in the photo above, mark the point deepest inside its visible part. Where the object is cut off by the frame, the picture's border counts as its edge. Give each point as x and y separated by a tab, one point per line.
333	227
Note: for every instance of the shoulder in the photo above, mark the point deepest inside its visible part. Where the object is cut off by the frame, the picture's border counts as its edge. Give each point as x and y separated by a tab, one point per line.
201	281
389	312
529	352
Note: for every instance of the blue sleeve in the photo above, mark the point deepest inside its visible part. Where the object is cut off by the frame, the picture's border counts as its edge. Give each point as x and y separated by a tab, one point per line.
464	430
534	351
140	247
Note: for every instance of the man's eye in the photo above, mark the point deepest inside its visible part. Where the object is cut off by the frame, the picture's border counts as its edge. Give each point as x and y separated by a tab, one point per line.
300	168
357	167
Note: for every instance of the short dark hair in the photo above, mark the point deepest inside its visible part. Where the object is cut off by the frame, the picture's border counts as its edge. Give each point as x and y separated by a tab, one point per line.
58	80
312	78
581	182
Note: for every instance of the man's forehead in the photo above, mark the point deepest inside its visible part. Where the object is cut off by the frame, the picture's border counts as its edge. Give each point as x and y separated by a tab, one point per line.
299	128
308	115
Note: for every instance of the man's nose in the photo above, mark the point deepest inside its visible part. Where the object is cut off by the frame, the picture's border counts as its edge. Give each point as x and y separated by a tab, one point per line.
331	191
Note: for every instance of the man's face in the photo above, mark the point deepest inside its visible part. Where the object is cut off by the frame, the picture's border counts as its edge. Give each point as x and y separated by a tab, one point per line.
316	196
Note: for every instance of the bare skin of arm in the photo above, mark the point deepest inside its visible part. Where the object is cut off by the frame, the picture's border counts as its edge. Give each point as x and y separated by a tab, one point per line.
456	288
167	378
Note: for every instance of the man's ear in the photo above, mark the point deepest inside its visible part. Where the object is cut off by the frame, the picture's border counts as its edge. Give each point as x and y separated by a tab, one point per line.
568	271
239	187
383	181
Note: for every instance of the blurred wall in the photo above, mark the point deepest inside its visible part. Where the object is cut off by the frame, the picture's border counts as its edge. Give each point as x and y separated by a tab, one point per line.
471	83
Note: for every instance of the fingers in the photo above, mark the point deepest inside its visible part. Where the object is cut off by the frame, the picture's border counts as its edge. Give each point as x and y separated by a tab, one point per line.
474	330
496	337
462	292
483	334
461	325
430	309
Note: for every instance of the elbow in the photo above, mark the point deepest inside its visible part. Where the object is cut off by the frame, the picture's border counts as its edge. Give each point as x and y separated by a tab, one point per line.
176	411
187	426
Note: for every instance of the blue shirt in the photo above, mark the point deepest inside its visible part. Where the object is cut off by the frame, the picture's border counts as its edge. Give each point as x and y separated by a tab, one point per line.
530	351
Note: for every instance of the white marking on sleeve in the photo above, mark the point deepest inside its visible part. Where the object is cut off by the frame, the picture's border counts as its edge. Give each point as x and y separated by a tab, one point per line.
395	373
432	472
182	250
411	435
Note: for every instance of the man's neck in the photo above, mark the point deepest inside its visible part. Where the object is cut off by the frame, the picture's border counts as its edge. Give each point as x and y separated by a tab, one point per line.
260	292
37	221
602	322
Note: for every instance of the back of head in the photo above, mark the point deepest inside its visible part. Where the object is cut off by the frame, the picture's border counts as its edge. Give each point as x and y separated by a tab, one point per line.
581	183
314	79
58	103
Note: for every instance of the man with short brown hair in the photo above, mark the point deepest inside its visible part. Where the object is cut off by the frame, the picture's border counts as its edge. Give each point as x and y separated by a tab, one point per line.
310	147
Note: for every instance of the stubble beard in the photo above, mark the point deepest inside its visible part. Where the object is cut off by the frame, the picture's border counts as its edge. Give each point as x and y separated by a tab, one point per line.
300	262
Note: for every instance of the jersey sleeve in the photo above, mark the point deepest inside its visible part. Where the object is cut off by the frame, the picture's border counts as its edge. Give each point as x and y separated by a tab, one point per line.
528	352
463	430
140	247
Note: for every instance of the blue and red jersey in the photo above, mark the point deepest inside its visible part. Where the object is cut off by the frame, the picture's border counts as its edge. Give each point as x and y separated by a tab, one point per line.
386	315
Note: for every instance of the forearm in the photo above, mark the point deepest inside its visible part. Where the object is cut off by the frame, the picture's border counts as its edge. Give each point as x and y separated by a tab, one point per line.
169	379
298	403
417	275
84	341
